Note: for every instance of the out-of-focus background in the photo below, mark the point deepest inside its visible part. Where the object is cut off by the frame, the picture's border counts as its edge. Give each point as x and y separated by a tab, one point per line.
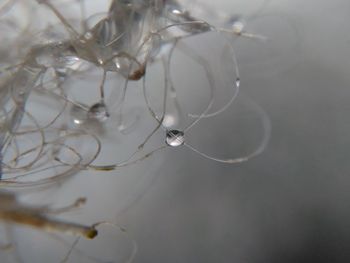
289	204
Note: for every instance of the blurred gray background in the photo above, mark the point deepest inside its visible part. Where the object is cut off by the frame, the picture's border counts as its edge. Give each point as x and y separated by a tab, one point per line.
290	204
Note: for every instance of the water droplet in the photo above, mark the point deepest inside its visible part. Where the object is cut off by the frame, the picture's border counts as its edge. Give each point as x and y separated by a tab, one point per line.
176	12
78	121
78	114
98	111
88	35
72	63
175	138
238	26
238	82
122	64
237	23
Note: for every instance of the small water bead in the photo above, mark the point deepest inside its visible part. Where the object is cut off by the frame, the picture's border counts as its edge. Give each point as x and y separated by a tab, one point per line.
78	114
236	23
88	35
177	14
98	111
238	82
71	62
175	138
238	26
129	68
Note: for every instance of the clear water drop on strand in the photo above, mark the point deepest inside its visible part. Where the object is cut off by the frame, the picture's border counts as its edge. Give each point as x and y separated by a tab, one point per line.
98	112
175	138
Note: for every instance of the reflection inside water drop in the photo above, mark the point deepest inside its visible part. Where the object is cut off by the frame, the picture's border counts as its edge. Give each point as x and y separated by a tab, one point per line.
175	138
98	112
78	114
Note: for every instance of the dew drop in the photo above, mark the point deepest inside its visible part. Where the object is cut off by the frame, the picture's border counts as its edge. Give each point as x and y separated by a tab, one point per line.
236	23
238	26
88	35
175	138
98	111
78	114
72	63
176	12
238	82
